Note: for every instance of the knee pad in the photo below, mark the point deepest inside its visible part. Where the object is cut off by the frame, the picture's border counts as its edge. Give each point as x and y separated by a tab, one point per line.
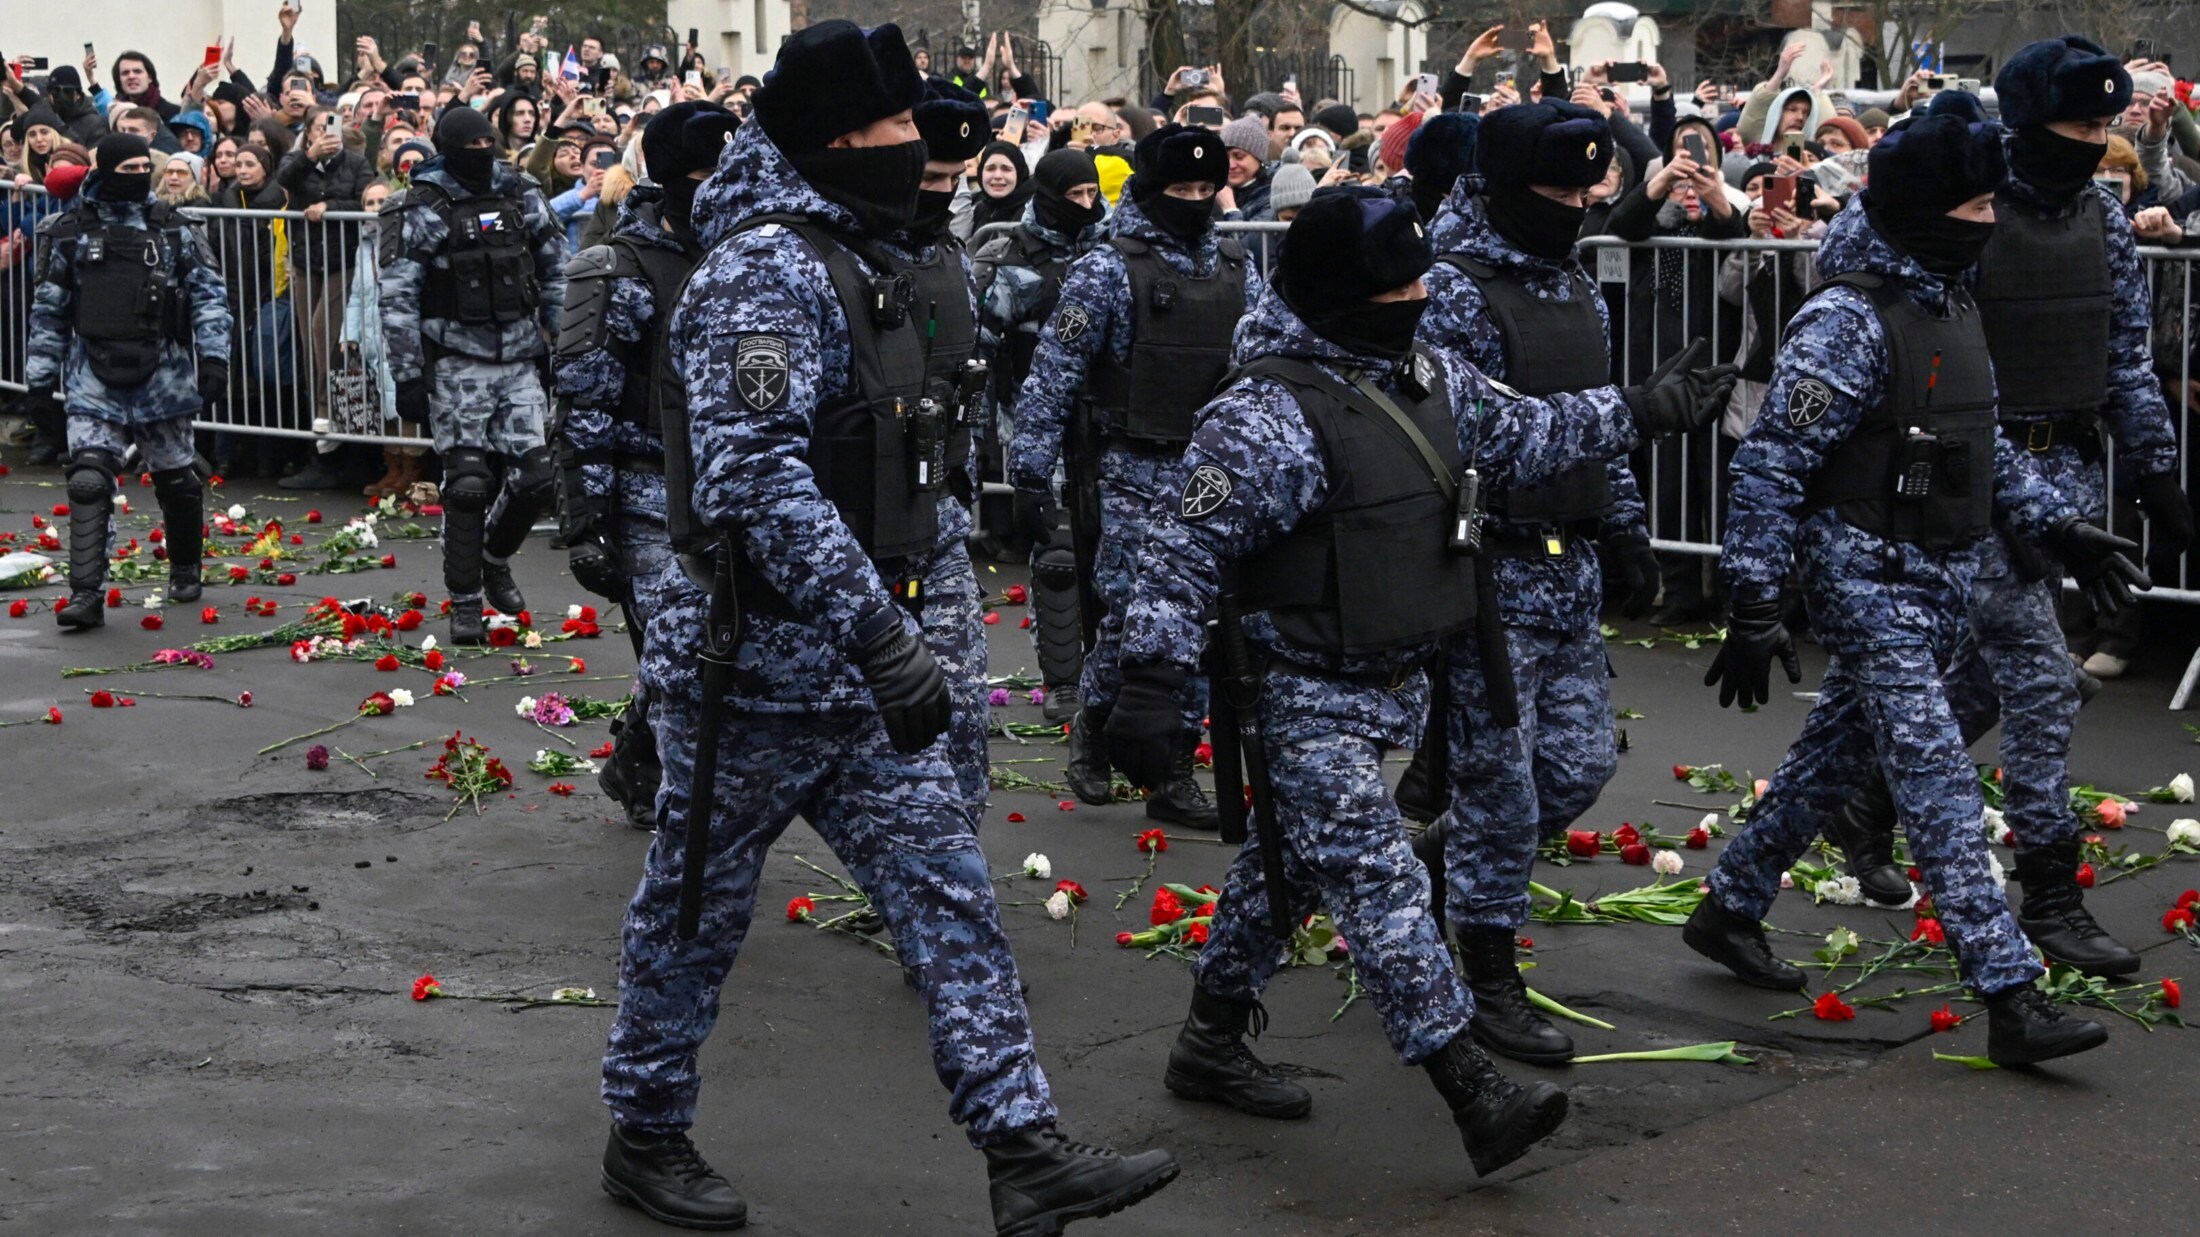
91	475
1055	567
177	485
532	474
468	483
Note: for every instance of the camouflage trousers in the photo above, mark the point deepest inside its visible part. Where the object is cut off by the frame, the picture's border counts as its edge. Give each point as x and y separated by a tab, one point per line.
494	406
1134	484
954	629
2016	669
900	826
164	444
1513	787
1887	706
1346	852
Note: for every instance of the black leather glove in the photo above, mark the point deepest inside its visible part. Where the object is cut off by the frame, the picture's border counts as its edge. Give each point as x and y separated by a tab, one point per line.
412	401
1676	400
1146	729
1638	569
2099	561
213	379
908	687
2169	522
1743	669
1035	516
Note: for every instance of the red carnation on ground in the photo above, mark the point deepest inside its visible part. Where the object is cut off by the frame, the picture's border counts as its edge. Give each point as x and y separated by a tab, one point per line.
2178	919
2085	876
1583	843
800	909
238	575
1524	942
1153	841
1075	891
1946	1019
1196	934
578	666
61	508
1930	931
2189	899
114	598
387	661
502	637
53	718
313	517
103	700
432	659
601	752
426	987
1635	853
1831	1008
211	614
151	622
410	619
18	608
1167	907
2172	995
1204	755
562	788
286	579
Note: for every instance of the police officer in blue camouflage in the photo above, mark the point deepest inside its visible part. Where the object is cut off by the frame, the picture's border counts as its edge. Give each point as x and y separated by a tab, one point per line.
1876	467
1325	490
793	390
128	293
1140	338
2071	357
473	284
1019	282
610	451
1524	763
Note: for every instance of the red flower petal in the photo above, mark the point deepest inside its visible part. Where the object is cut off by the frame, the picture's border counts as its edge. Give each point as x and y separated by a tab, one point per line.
992	617
1015	818
313	517
286	579
150	622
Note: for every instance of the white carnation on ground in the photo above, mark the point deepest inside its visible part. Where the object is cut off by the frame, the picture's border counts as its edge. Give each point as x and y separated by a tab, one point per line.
236	511
525	707
573	611
401	698
1058	905
1709	822
1037	867
1841	891
1666	863
1996	824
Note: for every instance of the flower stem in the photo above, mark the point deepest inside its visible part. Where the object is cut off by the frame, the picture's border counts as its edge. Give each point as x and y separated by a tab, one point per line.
311	734
1549	1006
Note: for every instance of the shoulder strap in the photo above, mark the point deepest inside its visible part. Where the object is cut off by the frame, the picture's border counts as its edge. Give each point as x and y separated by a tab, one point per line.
1362	394
1465	265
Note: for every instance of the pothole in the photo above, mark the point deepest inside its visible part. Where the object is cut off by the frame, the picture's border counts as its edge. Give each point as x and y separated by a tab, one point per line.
308	811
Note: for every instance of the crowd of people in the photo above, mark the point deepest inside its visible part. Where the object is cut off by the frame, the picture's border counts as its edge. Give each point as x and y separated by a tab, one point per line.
1366	488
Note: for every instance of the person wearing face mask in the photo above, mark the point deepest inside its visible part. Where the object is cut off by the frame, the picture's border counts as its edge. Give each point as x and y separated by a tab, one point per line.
610	454
128	294
1321	497
805	473
1019	280
1136	345
2069	337
1875	469
473	282
1522	743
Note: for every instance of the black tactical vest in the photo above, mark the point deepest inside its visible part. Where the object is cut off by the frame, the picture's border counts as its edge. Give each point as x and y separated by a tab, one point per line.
1373	569
880	451
488	276
1551	348
585	326
1028	251
1920	468
1180	345
127	300
2045	294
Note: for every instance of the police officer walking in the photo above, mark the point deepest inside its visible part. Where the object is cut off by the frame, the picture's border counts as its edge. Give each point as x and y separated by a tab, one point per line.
1019	282
609	446
1876	462
1526	757
128	294
472	283
2070	341
794	393
1327	496
1137	344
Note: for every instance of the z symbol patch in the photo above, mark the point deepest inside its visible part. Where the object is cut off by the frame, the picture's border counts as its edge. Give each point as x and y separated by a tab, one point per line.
760	371
1808	402
1071	323
1204	491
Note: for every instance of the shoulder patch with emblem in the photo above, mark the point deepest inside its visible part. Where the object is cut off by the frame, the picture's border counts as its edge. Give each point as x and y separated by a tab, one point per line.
760	371
1808	402
1204	492
1071	322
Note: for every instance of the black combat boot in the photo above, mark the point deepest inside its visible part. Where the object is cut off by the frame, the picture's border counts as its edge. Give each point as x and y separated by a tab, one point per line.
1089	773
467	626
182	516
1063	701
500	588
664	1177
2054	913
1040	1181
1183	802
1504	1021
1864	830
1498	1118
631	776
1738	944
1211	1062
88	515
2023	1027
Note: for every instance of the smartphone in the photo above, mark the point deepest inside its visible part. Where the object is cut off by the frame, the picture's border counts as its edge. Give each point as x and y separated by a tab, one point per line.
405	102
33	64
695	37
1472	105
694	78
1425	84
1515	38
1209	117
604	158
427	55
1936	82
1012	129
1791	145
1629	71
1692	143
1040	110
2114	186
1080	131
1192	79
88	52
592	106
213	55
1779	194
1968	85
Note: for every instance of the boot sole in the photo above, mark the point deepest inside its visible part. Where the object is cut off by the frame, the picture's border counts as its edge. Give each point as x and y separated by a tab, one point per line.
621	1194
1049	1223
1536	1124
1690	938
2082	1043
1192	1089
1503	1049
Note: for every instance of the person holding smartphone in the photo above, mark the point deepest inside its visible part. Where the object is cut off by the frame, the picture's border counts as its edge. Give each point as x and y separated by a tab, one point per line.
320	175
2060	292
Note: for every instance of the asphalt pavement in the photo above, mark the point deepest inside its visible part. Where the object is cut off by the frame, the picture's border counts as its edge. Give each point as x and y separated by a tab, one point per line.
207	958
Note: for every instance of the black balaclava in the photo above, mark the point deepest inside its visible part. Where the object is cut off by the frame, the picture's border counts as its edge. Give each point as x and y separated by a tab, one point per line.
470	166
1347	246
2057	166
1942	244
934	208
1370	328
1186	219
108	185
876	184
1538	226
1058	173
682	139
1925	170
